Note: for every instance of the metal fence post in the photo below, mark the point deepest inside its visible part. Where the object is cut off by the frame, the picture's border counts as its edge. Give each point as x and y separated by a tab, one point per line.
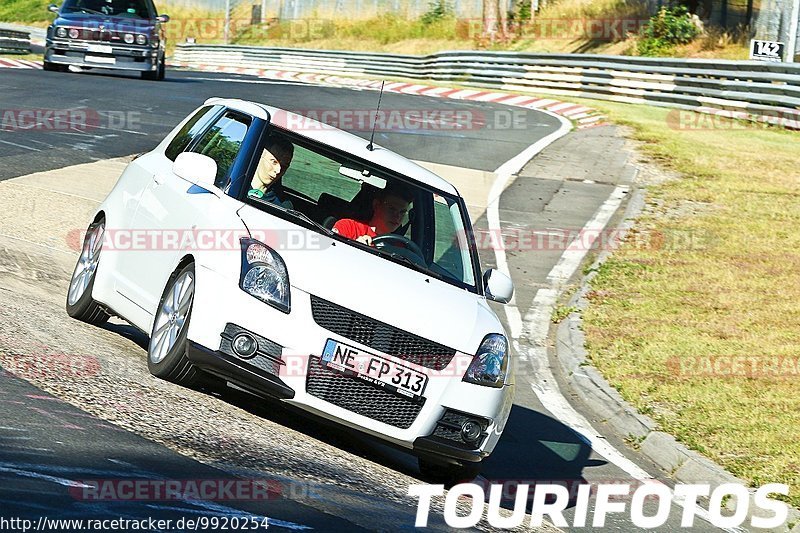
227	21
791	45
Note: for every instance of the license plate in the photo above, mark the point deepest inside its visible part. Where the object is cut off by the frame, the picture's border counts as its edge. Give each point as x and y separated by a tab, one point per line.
104	60
100	49
374	369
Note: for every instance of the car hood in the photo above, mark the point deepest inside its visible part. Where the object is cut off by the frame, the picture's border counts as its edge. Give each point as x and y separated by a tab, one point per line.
375	286
113	24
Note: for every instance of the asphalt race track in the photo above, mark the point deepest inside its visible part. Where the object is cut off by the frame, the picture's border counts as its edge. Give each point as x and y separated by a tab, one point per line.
125	424
152	110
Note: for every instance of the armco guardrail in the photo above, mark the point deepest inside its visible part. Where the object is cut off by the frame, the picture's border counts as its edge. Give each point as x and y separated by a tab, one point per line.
15	42
750	89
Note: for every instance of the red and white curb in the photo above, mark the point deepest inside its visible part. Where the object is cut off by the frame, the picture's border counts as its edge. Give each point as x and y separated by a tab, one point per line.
19	63
585	117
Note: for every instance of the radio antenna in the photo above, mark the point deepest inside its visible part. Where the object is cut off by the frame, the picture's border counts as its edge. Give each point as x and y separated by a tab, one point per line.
371	146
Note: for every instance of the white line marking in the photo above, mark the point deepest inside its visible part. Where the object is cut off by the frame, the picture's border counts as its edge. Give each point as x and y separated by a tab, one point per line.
21	146
537	321
504	173
571	259
44	477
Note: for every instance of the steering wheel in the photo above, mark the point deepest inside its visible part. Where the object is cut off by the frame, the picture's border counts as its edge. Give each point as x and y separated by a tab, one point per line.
407	243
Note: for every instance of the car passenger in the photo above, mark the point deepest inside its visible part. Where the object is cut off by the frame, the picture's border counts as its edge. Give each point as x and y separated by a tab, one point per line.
273	164
389	208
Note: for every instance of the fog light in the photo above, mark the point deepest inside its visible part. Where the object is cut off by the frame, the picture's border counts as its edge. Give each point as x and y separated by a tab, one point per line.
471	431
244	345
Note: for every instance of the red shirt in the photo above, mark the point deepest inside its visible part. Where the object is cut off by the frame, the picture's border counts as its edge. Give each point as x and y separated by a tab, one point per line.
353	229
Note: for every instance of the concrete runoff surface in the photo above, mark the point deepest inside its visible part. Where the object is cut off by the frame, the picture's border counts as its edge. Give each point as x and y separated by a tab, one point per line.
559	190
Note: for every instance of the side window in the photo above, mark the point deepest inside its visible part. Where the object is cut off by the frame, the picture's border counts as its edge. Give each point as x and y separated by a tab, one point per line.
189	131
222	143
446	250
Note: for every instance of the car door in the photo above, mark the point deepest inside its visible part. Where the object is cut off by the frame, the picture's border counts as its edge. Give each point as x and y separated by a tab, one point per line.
172	208
134	257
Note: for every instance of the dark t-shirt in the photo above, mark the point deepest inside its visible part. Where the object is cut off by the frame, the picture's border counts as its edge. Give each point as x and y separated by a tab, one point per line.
269	196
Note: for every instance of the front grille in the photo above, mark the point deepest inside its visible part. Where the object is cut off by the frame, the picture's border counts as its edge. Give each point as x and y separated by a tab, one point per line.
360	397
106	36
382	337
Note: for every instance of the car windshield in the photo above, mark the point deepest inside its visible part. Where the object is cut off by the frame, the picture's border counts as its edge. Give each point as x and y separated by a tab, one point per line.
406	221
112	8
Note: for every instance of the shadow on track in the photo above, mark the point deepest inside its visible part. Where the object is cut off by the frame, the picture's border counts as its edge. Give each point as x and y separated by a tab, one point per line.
537	449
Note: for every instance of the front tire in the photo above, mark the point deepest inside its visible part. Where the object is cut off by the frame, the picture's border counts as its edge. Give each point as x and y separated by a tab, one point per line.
158	74
166	354
80	304
52	67
162	69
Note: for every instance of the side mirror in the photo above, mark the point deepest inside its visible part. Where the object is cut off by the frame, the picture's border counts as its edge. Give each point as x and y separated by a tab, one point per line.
163	18
196	168
499	287
52	8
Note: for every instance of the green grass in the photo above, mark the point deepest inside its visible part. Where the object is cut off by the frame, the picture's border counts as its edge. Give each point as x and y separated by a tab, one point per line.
561	312
25	11
397	33
29	57
713	273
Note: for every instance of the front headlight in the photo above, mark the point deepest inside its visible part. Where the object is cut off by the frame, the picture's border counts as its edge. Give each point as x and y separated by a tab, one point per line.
264	274
141	39
61	32
128	38
74	33
490	364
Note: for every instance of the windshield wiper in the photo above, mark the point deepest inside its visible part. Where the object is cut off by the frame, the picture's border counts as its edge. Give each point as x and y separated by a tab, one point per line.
304	217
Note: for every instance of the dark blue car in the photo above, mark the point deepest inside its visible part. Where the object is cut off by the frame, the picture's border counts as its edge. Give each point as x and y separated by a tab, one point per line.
112	34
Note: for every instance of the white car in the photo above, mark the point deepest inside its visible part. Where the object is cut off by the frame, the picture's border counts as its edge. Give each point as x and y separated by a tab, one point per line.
392	336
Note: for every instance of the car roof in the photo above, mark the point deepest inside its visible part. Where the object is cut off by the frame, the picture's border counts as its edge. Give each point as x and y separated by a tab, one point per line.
342	140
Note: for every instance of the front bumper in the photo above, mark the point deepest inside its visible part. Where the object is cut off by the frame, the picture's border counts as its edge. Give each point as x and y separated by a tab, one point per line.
236	371
85	54
302	382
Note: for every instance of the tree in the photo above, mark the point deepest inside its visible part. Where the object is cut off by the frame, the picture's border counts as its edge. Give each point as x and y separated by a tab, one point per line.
490	10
